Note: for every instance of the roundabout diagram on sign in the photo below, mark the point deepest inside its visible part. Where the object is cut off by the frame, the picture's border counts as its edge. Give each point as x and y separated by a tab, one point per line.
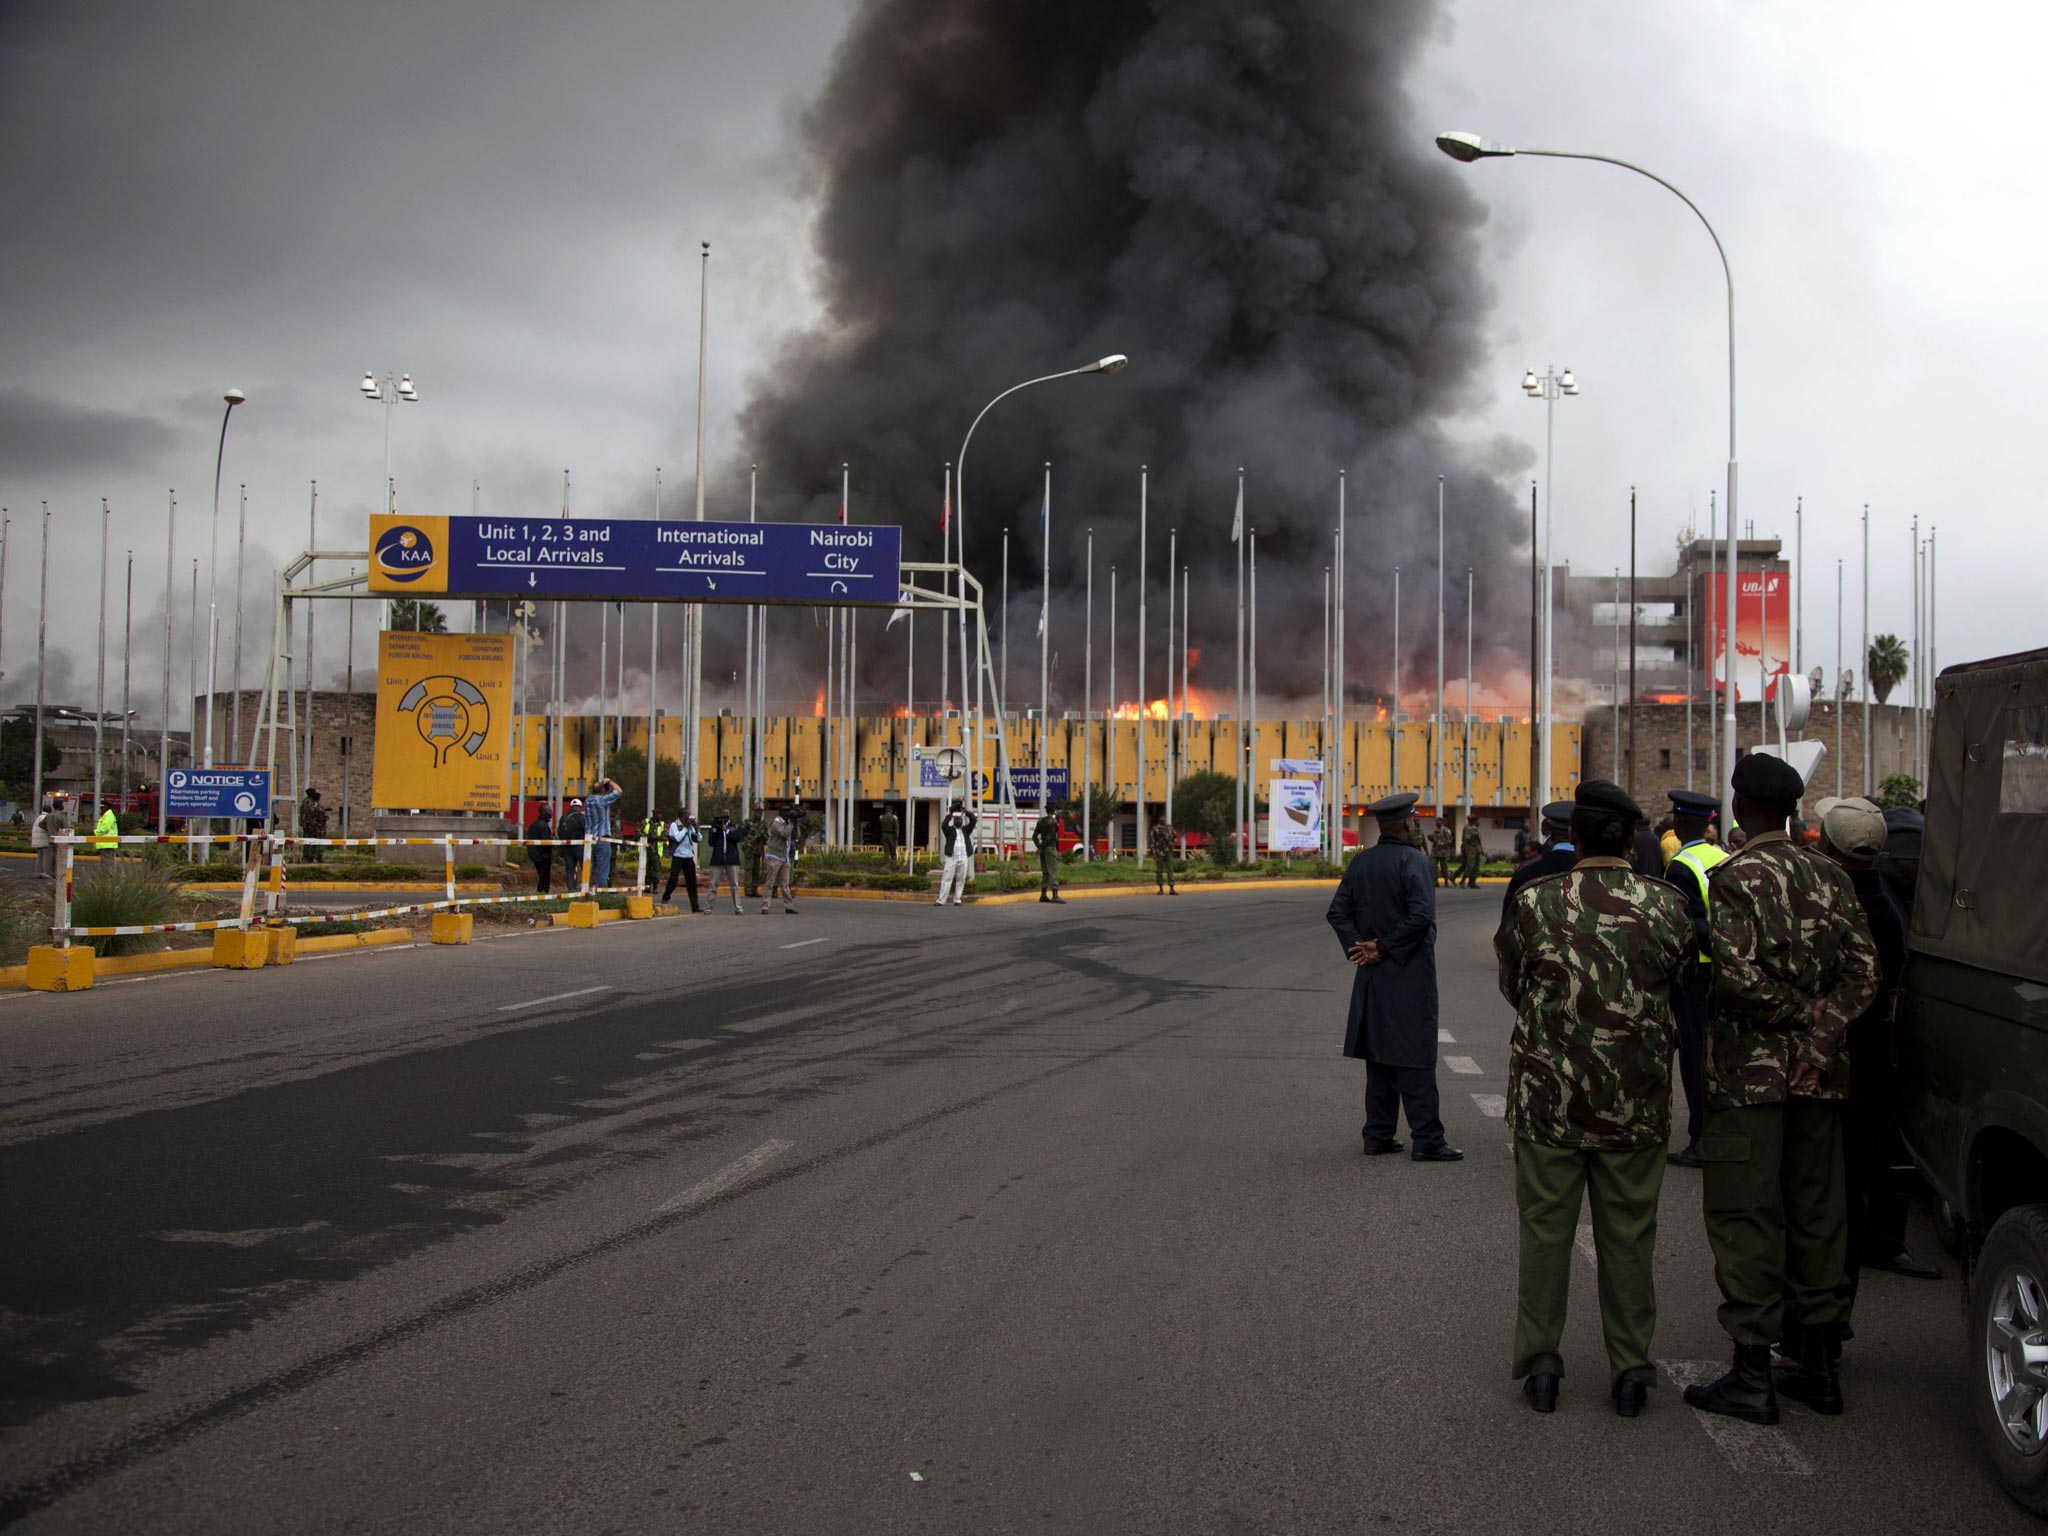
449	712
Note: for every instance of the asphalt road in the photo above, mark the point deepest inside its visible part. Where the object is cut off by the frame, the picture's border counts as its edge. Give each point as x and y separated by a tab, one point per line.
876	1218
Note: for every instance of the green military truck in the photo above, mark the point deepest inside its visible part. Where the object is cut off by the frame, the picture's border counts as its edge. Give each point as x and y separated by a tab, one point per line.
1973	1038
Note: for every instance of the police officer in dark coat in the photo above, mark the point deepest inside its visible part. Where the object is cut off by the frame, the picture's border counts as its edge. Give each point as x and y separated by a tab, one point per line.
1558	854
1385	916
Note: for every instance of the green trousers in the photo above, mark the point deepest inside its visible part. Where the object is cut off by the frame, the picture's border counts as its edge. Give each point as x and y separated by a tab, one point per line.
1777	1211
1048	872
1162	872
1623	1188
750	866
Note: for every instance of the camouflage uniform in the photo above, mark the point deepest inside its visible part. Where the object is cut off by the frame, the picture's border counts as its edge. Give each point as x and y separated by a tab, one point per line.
1440	853
753	838
1045	837
1589	959
1471	857
1793	965
1162	857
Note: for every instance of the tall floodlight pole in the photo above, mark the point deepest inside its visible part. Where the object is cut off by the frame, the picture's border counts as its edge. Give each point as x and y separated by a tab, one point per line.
1467	795
1550	387
388	392
233	397
1044	637
1109	722
163	743
1437	731
1864	652
1691	619
1467	147
235	662
1114	363
693	616
127	652
1339	756
1727	621
1394	714
1173	720
42	656
1088	708
1842	695
99	703
201	852
1144	569
1633	695
1237	767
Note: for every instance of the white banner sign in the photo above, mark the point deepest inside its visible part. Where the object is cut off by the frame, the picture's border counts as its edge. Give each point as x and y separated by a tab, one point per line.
1312	767
1295	817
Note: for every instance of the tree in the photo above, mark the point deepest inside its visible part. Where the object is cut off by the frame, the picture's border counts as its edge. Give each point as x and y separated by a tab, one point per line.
1206	803
1887	665
1105	811
18	754
1898	791
412	613
628	765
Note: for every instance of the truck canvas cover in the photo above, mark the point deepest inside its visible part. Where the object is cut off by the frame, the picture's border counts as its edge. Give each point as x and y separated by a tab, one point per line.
1987	819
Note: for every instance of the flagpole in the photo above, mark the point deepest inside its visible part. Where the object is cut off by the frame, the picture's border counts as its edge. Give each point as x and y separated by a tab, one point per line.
851	750
604	623
1109	720
1863	664
1181	766
312	543
1333	755
1144	568
1841	697
127	653
1003	632
1044	637
827	736
99	708
693	616
1340	794
1088	712
163	745
1394	715
1437	761
235	668
1172	635
1237	664
1468	697
1252	703
654	674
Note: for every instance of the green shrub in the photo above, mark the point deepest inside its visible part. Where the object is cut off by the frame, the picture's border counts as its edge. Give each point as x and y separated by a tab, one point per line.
122	894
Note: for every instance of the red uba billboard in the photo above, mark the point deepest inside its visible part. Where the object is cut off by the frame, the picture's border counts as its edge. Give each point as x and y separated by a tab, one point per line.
1763	632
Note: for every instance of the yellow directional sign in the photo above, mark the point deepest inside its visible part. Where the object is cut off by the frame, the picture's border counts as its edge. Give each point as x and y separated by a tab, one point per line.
444	706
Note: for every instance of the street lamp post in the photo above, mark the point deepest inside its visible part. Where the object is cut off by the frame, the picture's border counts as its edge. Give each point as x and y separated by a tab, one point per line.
233	397
386	392
1468	147
1550	387
1114	363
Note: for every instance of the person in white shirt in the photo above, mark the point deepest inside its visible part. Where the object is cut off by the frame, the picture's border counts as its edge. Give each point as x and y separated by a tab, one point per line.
683	838
956	844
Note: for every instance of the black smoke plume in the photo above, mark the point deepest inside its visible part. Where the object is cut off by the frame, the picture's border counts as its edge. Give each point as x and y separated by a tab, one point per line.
1234	193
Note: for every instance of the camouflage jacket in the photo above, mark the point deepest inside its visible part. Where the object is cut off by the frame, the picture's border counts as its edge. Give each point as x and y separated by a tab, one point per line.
1787	933
1590	958
1473	850
1440	843
1161	837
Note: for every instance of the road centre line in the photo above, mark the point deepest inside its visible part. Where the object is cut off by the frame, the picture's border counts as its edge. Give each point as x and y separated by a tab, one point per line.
801	944
559	997
1752	1448
735	1172
1464	1066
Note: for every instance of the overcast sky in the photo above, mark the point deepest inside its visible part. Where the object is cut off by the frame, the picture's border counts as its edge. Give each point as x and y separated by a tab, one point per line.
506	200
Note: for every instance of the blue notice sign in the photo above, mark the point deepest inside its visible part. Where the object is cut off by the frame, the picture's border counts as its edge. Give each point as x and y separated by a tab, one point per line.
637	559
237	794
1025	785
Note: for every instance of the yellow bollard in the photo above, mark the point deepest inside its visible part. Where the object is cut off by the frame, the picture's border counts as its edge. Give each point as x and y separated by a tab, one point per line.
583	914
51	969
638	907
452	927
237	949
283	945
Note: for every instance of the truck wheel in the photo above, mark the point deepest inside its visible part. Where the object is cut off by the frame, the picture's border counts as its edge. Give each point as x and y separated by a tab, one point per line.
2009	1352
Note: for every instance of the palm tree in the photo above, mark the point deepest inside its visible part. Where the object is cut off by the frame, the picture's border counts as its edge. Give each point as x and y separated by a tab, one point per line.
1887	666
411	613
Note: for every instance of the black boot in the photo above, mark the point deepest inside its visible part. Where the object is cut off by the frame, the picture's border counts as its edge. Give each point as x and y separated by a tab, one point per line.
1745	1392
1813	1376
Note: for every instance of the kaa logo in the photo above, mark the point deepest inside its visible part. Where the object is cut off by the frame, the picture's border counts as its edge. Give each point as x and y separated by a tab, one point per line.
404	553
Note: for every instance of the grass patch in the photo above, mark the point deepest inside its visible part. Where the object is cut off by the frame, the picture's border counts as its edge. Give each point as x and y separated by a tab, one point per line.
124	893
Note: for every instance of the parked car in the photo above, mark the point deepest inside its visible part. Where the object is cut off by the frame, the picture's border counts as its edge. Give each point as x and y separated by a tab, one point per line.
1973	1038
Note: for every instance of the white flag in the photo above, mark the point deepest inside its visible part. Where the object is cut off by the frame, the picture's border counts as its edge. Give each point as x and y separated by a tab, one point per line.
1237	521
900	613
1041	623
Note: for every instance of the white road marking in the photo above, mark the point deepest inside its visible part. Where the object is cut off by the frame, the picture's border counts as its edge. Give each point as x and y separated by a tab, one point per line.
1444	1037
1464	1066
734	1172
801	944
559	997
1491	1105
1757	1448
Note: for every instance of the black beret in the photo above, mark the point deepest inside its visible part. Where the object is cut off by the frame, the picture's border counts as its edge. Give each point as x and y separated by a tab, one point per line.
1690	802
1768	780
1559	811
1607	797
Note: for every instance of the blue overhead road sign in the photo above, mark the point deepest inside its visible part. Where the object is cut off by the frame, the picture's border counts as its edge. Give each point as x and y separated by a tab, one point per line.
636	559
240	794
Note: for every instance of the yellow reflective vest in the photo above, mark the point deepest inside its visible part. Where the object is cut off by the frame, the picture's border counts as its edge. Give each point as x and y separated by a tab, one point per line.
1699	858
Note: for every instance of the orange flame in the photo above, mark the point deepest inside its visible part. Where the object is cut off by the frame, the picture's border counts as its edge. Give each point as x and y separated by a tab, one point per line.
818	702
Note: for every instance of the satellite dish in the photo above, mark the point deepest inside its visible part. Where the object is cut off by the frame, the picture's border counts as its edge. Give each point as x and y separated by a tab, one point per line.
1792	702
1848	682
